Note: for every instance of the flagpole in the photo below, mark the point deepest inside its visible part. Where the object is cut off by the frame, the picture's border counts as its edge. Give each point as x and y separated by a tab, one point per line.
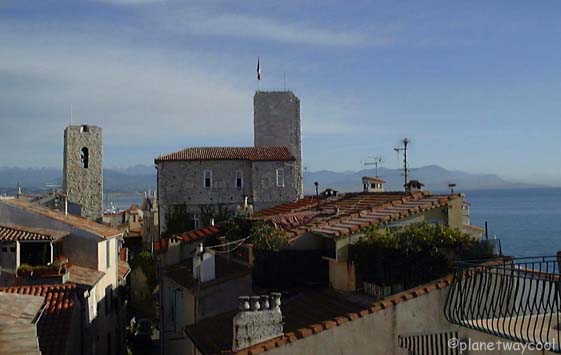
258	75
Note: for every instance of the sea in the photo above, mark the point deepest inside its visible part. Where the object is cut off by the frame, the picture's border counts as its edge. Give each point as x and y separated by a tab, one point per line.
527	221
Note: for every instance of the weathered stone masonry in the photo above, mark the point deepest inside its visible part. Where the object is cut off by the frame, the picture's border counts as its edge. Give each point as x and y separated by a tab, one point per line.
83	168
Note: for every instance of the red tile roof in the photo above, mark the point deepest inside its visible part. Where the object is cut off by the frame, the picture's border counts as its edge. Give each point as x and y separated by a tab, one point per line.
13	232
55	324
230	153
182	273
303	316
75	221
345	214
198	234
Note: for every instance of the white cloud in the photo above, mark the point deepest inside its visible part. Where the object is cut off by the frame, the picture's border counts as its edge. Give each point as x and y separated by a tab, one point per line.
138	97
264	28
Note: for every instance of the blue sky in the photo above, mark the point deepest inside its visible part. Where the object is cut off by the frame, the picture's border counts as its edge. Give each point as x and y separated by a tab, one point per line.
474	84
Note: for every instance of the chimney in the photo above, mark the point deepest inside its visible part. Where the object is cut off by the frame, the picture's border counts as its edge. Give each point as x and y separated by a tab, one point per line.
245	201
259	319
212	222
203	265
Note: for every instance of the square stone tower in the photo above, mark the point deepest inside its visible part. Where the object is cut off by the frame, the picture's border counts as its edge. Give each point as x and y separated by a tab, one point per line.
83	169
276	122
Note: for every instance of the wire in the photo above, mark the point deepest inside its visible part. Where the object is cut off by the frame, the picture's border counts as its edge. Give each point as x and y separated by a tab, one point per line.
239	243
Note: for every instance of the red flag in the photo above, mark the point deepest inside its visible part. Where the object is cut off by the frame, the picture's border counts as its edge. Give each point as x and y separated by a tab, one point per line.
258	70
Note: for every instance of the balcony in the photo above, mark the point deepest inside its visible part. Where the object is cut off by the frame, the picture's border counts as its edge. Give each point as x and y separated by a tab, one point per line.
516	299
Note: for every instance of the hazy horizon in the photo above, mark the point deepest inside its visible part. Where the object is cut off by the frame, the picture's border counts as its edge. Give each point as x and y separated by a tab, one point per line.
473	84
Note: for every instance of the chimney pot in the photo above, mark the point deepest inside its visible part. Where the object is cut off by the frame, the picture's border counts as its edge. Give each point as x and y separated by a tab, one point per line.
212	222
265	302
254	300
275	300
243	303
255	322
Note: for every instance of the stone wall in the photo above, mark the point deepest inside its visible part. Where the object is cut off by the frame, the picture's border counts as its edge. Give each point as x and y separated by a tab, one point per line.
276	122
182	183
84	186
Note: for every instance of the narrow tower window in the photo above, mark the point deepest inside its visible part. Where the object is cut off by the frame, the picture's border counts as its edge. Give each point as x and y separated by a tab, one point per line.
207	179
280	177
239	179
84	158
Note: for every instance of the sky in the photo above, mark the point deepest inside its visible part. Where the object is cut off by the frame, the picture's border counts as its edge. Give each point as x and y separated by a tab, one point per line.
475	85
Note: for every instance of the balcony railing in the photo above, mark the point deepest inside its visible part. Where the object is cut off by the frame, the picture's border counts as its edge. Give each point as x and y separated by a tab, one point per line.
515	299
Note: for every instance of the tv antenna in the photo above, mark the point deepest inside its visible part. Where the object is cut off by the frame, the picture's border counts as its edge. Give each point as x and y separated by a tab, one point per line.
375	162
405	142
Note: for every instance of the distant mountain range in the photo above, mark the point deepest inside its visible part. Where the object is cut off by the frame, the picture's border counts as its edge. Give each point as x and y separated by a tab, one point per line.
139	178
434	177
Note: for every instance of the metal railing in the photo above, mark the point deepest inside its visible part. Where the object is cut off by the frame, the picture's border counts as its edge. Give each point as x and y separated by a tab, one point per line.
513	298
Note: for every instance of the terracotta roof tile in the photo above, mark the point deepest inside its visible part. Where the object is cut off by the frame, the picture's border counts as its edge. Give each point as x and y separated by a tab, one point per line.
347	213
13	232
71	220
54	326
281	153
304	315
197	234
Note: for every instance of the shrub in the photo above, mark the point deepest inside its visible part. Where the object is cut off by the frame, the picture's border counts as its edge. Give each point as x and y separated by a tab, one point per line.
265	237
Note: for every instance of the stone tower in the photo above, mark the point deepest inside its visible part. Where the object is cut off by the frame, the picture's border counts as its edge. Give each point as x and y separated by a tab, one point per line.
276	122
83	169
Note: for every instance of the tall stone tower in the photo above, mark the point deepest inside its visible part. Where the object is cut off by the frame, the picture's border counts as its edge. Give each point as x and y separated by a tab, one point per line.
83	169
276	122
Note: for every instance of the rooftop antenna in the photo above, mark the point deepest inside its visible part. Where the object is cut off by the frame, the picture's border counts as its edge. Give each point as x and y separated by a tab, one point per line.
375	162
403	149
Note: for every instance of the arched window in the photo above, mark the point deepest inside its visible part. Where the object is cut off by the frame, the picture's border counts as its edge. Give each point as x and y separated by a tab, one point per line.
84	158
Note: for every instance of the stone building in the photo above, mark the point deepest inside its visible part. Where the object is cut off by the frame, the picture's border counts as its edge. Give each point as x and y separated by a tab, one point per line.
196	185
83	169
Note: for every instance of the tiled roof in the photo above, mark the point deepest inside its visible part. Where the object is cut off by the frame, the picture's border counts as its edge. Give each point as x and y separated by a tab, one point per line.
84	276
10	232
55	323
305	315
289	207
197	234
182	273
345	214
71	220
373	179
230	153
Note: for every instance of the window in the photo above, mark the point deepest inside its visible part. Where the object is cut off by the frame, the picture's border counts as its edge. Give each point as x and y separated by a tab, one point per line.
239	179
13	249
280	177
84	158
195	221
107	254
5	250
207	179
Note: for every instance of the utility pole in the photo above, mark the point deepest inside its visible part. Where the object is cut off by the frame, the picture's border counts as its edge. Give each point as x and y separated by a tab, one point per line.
403	149
375	162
